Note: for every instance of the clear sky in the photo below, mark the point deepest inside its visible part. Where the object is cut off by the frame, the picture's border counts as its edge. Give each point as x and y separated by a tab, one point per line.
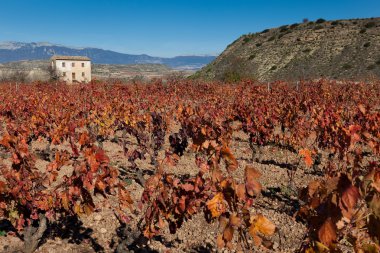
162	27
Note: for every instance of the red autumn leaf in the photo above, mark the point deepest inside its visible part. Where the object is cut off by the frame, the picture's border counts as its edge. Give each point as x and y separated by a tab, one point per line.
348	201
187	187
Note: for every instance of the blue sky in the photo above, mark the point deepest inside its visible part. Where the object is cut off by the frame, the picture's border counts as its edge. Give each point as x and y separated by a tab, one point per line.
162	27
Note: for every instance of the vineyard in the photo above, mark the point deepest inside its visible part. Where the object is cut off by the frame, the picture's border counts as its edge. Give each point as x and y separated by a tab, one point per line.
189	166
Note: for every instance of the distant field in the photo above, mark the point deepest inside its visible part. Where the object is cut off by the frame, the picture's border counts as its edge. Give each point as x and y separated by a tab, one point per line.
37	70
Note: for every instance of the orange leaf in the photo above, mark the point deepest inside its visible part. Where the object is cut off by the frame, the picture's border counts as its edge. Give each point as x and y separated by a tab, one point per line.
216	205
307	156
261	224
327	233
228	233
220	242
235	221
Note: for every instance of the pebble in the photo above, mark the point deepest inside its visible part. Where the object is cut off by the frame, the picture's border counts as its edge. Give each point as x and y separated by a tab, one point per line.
98	217
103	230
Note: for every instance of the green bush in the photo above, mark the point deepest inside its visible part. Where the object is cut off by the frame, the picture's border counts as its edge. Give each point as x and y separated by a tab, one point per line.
265	31
320	21
294	25
246	40
370	67
363	30
367	44
258	44
252	56
271	38
274	67
370	24
318	27
346	66
307	50
284	28
335	23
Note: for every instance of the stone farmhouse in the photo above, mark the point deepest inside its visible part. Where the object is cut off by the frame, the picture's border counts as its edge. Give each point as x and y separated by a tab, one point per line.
72	69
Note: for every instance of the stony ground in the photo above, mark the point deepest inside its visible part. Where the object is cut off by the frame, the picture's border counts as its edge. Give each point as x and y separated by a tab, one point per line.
282	175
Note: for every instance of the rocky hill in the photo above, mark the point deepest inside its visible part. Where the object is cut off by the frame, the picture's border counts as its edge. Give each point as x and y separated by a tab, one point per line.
340	49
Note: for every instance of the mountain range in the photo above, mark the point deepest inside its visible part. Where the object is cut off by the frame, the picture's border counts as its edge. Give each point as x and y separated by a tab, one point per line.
18	51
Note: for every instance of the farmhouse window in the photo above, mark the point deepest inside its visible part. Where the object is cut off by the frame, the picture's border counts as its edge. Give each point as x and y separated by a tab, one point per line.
63	64
73	76
64	73
83	74
82	64
73	64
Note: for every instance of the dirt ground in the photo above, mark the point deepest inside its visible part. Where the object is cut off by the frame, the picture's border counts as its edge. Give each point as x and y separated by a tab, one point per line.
100	232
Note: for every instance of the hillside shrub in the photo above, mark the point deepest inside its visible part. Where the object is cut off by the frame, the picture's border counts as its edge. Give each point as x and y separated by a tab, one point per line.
320	21
370	24
294	25
346	66
367	44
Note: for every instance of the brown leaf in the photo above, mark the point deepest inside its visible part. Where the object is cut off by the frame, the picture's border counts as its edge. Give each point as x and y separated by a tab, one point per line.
240	191
220	242
313	187
252	185
228	233
235	221
362	108
261	224
327	233
231	162
348	201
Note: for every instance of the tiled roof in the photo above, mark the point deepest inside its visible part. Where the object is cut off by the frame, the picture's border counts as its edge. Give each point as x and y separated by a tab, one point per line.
65	57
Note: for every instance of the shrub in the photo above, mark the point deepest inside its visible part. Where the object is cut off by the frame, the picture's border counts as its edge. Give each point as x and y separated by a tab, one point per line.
335	23
367	44
346	66
265	31
284	28
363	30
294	25
320	21
307	50
246	40
318	27
274	67
370	24
252	56
271	38
378	62
370	67
258	44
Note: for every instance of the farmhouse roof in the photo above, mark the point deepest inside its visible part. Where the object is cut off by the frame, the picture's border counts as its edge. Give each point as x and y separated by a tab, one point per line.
73	58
